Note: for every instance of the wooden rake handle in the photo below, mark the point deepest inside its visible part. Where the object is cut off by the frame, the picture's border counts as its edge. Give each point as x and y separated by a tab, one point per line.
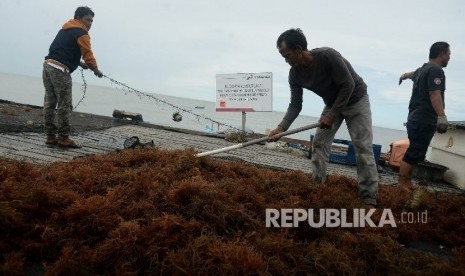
259	140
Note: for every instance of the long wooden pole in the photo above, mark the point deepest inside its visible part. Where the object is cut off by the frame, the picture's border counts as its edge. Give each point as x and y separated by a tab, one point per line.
259	140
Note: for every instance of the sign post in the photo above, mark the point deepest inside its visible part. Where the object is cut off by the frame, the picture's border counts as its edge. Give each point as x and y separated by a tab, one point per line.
244	92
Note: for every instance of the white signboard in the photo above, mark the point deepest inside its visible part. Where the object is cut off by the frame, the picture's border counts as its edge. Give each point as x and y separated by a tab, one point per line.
244	92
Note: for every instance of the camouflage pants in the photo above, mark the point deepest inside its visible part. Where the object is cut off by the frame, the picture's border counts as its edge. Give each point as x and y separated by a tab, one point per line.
57	101
358	120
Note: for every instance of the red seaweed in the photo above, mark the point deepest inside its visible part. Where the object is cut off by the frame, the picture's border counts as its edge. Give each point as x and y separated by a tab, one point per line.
150	211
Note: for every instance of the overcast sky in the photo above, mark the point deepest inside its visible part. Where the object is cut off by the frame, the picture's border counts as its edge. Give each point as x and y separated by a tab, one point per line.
177	47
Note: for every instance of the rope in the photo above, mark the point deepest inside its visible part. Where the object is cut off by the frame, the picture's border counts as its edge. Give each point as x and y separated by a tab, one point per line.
126	88
83	89
141	94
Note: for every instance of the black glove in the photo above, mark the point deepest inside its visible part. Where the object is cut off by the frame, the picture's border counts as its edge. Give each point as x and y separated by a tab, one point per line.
442	124
98	73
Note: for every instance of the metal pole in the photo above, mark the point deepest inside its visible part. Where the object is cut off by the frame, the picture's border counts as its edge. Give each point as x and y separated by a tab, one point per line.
243	121
259	140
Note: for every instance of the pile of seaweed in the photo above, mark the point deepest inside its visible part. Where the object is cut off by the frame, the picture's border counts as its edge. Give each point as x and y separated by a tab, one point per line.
168	212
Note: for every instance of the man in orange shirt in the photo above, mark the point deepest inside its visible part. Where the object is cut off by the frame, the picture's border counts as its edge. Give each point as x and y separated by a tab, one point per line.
70	44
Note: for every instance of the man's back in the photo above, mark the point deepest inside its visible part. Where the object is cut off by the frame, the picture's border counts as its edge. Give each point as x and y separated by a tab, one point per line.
324	76
427	78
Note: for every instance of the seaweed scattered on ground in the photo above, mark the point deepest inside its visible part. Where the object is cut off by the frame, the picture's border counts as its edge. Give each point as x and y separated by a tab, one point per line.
168	212
8	111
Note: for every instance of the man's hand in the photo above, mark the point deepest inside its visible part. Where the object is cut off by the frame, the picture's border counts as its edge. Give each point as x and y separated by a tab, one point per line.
83	65
402	77
405	76
326	121
98	73
275	131
442	124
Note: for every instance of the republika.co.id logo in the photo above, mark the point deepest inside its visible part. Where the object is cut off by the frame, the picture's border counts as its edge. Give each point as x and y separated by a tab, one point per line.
331	218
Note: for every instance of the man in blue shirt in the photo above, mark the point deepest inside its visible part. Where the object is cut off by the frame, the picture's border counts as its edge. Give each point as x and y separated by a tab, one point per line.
70	45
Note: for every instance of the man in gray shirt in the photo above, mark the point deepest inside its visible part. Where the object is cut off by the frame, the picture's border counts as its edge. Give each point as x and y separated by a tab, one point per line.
325	72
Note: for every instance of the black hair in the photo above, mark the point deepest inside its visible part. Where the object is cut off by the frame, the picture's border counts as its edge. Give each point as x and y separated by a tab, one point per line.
294	38
438	48
83	11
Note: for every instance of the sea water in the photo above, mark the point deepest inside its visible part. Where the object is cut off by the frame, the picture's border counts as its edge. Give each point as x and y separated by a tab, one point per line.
196	114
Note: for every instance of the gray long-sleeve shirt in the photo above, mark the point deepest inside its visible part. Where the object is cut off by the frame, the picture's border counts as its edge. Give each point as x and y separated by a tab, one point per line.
331	77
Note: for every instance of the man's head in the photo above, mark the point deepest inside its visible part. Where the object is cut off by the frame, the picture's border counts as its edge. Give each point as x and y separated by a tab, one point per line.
440	52
291	44
85	15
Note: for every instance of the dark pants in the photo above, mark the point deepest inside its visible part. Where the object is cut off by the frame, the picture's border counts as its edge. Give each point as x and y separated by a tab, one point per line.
419	135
